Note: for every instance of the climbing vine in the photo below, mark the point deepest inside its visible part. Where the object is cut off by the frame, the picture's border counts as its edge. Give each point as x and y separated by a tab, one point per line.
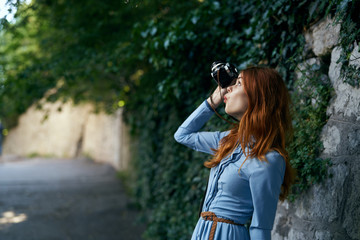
312	92
349	18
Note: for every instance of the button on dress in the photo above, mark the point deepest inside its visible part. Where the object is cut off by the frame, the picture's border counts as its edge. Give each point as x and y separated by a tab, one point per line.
252	192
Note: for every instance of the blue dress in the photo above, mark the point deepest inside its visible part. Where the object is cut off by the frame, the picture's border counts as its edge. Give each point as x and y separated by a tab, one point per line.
252	192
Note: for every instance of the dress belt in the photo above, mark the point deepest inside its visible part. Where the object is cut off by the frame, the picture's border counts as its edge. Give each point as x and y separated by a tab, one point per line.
210	216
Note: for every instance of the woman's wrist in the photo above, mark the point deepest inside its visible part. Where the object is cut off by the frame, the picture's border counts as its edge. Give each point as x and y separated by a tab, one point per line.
214	103
217	97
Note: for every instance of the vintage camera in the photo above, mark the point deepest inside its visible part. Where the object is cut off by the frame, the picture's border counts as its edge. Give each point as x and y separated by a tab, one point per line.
223	73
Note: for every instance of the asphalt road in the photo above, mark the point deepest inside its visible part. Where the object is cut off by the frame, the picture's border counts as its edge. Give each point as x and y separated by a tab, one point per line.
61	199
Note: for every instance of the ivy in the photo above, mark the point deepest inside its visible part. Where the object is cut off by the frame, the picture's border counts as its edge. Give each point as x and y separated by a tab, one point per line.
349	18
312	94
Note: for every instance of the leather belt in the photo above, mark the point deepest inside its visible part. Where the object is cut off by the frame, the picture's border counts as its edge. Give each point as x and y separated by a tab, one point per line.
210	216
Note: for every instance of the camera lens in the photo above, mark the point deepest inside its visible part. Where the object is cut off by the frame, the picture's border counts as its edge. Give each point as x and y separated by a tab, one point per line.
223	73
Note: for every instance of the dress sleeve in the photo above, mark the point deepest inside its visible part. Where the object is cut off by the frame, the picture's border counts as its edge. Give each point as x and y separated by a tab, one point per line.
188	134
265	185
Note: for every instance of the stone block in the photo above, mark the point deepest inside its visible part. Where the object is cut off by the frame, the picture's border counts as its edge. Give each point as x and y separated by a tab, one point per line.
327	198
322	235
350	218
340	138
346	103
295	234
331	139
322	37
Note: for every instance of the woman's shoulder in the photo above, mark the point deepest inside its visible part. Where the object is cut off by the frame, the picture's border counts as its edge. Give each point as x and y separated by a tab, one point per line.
273	161
274	157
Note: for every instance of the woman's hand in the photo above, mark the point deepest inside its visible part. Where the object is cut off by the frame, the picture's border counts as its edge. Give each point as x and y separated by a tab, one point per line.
217	97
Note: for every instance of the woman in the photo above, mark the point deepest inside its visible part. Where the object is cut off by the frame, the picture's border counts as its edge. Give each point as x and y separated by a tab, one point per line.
250	166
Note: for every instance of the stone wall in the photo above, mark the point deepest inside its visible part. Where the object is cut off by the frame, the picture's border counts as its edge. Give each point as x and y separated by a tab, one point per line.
72	132
331	210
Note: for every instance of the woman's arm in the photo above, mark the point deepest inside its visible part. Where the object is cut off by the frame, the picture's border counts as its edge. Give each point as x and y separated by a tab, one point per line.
188	132
217	97
265	184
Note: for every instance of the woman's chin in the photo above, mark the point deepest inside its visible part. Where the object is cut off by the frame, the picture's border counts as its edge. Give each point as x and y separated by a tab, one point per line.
235	116
229	113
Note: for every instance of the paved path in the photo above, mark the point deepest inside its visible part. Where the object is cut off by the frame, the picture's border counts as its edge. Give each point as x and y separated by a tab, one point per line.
59	199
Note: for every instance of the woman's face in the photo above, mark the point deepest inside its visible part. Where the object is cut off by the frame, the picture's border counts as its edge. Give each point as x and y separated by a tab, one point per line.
236	100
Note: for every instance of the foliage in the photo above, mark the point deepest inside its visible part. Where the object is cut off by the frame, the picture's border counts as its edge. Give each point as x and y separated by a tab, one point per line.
24	74
73	47
348	16
312	95
154	57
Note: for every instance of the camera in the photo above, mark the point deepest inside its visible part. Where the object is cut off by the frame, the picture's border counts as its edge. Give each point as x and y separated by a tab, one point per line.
223	73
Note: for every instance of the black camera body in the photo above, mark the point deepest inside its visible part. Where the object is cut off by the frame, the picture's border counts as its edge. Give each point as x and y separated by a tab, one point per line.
223	73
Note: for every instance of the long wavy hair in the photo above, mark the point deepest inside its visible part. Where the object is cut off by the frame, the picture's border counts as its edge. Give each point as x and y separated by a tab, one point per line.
265	125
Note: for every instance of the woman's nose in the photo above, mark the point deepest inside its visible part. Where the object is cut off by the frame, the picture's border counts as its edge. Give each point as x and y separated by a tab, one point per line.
228	89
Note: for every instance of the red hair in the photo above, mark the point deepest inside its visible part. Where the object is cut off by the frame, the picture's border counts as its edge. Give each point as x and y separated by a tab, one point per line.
265	125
